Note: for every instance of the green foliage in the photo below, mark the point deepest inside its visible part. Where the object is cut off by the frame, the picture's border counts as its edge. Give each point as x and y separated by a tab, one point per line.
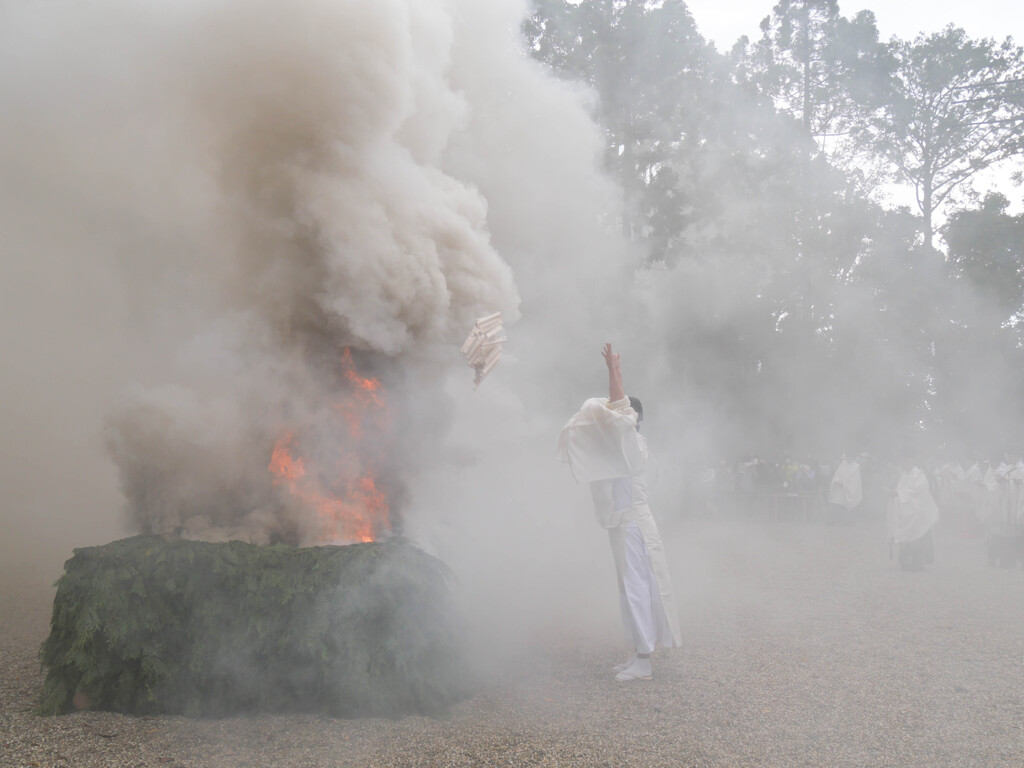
147	625
723	188
654	76
980	361
957	107
986	248
818	66
788	304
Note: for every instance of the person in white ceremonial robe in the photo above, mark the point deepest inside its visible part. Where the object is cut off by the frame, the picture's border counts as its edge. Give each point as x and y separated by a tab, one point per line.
972	492
912	514
955	497
1001	512
845	492
603	446
1016	478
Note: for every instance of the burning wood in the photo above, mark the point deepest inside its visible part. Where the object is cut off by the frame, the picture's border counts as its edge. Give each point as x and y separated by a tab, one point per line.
147	625
482	348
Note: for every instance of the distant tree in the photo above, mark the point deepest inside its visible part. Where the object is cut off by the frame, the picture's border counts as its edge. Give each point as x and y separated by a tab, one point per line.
979	359
957	107
795	306
986	250
654	76
822	69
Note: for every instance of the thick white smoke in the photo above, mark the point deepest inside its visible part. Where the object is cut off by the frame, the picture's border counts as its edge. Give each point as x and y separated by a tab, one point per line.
281	163
233	193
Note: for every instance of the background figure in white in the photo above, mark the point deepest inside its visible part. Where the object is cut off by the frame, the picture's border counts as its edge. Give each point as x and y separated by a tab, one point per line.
946	478
1001	524
911	515
603	446
973	492
845	493
957	491
988	498
1016	478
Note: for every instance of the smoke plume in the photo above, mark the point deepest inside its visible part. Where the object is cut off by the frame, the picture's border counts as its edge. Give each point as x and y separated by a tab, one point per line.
251	228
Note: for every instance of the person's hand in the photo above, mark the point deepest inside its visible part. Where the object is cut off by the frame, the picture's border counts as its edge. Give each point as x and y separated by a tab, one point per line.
615	390
611	358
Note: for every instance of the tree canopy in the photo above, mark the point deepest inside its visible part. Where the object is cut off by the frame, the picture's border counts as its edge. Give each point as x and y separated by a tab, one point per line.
819	67
956	108
793	308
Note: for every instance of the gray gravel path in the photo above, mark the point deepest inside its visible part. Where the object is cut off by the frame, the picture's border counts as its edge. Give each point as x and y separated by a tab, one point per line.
803	646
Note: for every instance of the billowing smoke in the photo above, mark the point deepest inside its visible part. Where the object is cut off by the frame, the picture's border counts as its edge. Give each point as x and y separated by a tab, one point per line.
295	212
333	226
319	129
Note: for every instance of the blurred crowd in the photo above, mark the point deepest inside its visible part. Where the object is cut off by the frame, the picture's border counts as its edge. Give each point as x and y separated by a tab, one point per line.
985	498
976	498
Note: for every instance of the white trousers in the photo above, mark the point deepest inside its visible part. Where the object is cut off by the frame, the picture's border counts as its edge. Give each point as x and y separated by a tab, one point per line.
643	615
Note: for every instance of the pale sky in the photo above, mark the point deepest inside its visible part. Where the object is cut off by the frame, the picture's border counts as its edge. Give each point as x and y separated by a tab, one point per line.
723	21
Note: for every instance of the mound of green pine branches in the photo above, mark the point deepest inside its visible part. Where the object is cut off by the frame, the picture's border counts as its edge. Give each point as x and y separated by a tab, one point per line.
148	625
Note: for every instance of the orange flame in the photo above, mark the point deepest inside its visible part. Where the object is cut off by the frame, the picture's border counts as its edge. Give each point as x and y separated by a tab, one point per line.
367	401
283	464
351	509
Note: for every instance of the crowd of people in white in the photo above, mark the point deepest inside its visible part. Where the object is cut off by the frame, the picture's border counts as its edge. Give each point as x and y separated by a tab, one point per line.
977	499
985	499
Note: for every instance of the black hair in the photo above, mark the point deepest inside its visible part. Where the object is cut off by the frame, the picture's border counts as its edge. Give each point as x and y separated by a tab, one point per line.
638	407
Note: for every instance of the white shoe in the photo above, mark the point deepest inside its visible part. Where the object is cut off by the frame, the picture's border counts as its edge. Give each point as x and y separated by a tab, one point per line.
640	669
625	664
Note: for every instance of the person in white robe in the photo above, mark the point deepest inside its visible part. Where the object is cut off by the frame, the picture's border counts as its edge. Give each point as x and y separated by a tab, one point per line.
1016	477
1001	525
603	447
993	512
971	491
946	478
912	513
845	492
955	498
1016	481
988	498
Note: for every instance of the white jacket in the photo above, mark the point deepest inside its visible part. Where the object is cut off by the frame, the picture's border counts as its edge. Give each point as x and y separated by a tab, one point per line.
912	511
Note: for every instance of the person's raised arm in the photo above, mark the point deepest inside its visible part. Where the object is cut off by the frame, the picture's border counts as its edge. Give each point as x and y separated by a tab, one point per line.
615	389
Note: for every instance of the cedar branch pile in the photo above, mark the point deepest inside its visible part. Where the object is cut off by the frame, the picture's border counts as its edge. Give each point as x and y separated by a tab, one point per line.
146	625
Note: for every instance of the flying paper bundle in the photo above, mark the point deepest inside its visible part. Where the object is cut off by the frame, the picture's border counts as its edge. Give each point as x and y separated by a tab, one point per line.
483	346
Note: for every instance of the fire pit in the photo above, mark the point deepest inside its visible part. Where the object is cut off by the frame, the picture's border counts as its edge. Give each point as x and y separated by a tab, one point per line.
155	625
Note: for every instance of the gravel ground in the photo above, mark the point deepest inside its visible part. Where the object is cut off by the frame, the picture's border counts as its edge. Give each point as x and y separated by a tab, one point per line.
803	646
